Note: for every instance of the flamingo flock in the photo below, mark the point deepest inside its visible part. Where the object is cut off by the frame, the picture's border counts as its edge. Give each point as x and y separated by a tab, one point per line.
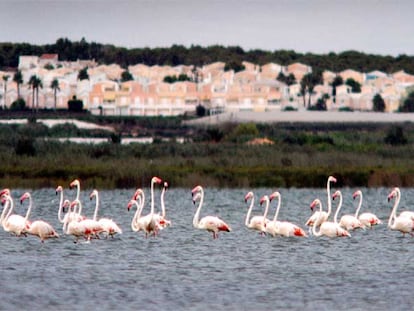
75	223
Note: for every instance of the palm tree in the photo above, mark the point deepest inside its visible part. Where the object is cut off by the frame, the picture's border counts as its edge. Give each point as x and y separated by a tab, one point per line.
5	78
18	78
35	83
55	87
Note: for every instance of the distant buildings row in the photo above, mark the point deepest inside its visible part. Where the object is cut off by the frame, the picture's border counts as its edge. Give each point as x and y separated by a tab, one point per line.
253	89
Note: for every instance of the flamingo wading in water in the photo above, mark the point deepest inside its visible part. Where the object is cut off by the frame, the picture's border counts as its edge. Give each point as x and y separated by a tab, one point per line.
210	223
325	215
283	228
367	219
402	223
39	228
256	222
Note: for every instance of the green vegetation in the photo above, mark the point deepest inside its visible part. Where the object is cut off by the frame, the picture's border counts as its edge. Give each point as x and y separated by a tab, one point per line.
302	155
196	55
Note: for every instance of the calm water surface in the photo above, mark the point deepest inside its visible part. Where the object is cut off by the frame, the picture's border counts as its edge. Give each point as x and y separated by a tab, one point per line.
185	269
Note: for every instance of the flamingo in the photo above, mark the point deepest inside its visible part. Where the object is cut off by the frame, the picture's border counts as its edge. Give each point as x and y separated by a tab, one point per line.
68	216
40	228
349	222
108	225
327	228
73	227
163	222
76	183
256	222
367	219
13	223
404	213
149	223
93	227
325	215
404	224
210	223
283	228
137	215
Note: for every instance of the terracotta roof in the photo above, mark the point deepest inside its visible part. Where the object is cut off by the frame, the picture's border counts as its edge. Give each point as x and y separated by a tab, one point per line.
49	56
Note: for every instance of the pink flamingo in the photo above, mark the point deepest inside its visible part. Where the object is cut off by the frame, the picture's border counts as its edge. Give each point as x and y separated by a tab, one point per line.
210	223
367	219
93	227
283	228
349	222
327	228
13	223
256	222
40	228
149	223
69	216
109	226
404	224
324	215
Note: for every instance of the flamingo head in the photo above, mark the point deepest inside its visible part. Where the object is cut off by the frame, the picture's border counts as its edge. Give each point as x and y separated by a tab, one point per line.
265	198
66	204
25	196
196	189
93	194
331	179
4	198
59	189
74	183
137	193
356	194
196	197
165	185
5	191
75	203
248	196
275	194
156	180
336	194
392	195
314	203
130	203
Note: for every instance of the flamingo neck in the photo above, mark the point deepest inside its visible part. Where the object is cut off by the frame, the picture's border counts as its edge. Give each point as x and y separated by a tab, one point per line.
9	198
5	208
359	206
279	203
60	216
266	208
137	215
29	209
317	233
328	190
162	202
249	212
197	213
95	214
338	208
394	209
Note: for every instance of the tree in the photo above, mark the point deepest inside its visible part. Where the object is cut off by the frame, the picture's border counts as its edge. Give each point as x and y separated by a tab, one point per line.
5	79
408	104
83	74
18	78
18	104
75	104
356	87
126	76
288	80
55	87
378	103
336	82
35	83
